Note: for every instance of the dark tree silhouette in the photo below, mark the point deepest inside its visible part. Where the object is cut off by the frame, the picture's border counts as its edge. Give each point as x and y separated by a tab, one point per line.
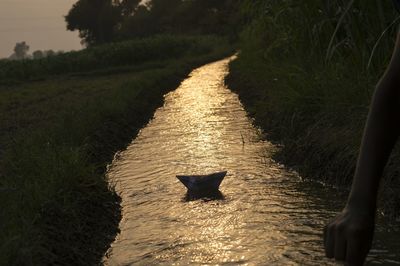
48	53
128	7
20	51
38	54
95	19
100	21
137	25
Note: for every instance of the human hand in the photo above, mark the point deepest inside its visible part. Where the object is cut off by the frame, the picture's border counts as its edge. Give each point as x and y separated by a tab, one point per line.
348	237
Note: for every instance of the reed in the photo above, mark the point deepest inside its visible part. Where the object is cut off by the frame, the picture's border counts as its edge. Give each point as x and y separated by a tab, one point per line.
306	71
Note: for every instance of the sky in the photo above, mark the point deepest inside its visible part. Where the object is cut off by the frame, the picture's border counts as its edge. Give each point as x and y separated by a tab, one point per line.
40	23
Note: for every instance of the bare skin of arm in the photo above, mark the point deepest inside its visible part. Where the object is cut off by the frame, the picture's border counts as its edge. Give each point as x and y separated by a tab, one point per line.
349	235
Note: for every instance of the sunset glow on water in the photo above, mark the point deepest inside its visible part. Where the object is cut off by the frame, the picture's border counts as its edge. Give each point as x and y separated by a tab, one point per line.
265	215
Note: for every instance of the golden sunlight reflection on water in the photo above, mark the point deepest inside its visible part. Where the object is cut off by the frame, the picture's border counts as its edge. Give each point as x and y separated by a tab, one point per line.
265	215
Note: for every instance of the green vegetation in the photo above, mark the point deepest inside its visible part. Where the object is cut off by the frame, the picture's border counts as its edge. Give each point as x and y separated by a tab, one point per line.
306	72
108	56
58	133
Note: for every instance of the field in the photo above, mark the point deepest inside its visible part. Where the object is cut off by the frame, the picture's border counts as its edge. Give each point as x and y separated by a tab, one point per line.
62	119
103	57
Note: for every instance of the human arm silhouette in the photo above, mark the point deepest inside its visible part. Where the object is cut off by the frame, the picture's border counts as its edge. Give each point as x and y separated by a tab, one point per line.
349	235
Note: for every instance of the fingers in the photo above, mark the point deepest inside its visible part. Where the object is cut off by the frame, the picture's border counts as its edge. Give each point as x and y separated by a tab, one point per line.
340	244
335	242
343	246
348	238
358	247
329	241
356	252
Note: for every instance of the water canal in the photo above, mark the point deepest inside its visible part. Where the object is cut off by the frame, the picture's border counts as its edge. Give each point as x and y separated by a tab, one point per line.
265	215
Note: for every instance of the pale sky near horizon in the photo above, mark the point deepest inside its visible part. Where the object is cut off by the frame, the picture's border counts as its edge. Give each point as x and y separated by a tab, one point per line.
40	23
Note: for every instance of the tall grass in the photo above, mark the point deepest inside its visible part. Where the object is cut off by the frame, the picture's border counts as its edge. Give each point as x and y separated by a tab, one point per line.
307	71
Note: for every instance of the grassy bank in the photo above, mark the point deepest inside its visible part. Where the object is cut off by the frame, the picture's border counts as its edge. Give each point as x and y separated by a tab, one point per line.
306	72
57	135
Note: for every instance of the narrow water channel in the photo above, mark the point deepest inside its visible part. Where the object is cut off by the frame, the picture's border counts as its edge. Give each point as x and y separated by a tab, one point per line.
265	215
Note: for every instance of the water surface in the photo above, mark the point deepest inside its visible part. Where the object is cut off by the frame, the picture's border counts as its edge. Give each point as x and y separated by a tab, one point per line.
265	215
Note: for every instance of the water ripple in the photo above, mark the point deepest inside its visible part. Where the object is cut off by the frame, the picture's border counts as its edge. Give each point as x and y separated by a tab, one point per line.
264	215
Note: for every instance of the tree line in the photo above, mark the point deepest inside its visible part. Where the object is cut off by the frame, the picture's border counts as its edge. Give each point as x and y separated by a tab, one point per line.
21	51
102	21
